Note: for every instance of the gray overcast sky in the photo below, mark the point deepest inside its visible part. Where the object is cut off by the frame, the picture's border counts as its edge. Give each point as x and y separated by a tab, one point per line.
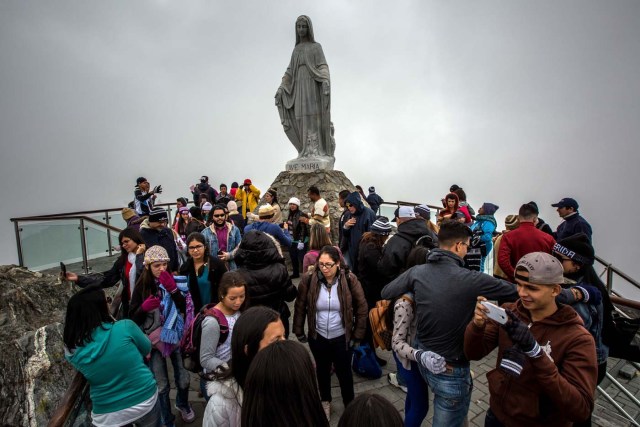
514	101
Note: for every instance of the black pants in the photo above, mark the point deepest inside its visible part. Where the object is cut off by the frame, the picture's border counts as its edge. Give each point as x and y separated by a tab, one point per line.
332	352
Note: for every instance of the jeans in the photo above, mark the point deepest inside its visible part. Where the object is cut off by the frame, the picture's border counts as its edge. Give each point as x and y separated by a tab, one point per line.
158	365
451	394
327	352
203	389
296	257
416	404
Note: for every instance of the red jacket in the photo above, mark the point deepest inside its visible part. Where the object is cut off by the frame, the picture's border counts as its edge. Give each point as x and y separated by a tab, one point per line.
519	242
553	390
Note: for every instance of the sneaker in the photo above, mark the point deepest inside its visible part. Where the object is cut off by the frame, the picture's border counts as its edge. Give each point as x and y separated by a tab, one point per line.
393	380
188	416
327	409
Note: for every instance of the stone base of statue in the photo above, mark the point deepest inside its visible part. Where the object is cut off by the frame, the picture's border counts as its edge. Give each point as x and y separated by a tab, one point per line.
295	184
310	164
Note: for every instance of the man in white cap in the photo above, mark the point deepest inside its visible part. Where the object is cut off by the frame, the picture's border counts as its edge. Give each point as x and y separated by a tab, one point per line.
546	370
299	232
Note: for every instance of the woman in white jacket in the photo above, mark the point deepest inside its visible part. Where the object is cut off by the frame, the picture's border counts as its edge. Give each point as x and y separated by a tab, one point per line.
255	329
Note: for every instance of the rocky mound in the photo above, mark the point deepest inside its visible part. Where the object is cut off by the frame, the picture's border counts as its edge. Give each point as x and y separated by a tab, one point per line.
34	372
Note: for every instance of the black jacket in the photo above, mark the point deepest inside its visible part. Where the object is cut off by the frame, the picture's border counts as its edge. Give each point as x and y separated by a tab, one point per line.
396	251
268	281
111	277
216	269
164	238
365	218
372	282
299	230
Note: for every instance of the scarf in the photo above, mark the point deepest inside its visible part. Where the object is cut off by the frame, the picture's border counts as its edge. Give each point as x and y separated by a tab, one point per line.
131	259
173	326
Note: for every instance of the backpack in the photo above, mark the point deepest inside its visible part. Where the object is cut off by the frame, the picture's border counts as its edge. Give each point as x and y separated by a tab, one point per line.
379	327
190	344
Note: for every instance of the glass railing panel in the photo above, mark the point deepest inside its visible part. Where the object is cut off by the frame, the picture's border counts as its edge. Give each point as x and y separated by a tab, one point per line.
387	210
45	244
97	240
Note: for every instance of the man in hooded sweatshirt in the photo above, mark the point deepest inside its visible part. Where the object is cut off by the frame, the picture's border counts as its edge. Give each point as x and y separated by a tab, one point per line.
396	251
360	220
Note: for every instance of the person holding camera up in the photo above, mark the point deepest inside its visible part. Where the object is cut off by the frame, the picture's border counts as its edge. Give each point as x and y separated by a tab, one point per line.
143	199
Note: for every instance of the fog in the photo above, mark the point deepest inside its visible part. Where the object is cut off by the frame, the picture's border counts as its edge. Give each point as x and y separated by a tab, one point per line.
514	101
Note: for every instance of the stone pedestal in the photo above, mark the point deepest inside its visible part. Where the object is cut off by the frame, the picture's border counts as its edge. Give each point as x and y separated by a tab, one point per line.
310	164
329	182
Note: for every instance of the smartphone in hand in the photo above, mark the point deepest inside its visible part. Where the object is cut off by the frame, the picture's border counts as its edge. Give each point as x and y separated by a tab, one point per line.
63	271
495	313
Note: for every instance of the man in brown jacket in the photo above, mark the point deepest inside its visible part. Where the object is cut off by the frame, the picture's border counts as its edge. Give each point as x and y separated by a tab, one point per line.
546	370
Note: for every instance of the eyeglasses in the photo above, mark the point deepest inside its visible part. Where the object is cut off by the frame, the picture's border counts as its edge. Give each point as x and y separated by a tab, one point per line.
326	265
348	205
219	216
196	248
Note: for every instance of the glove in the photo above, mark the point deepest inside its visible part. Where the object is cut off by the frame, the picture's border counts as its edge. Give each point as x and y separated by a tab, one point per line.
354	343
158	189
590	294
521	335
302	338
435	363
300	246
166	280
150	303
512	361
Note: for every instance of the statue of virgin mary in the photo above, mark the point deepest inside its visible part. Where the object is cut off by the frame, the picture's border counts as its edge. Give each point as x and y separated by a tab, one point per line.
304	96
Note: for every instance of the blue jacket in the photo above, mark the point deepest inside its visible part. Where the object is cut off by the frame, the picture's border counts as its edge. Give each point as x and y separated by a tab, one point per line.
272	229
365	218
374	201
571	225
233	240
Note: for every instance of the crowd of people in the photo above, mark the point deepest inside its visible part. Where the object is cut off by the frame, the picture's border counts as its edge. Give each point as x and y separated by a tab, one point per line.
216	274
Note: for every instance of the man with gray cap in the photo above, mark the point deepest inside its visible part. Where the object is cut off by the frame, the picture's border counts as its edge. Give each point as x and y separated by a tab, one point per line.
546	370
573	223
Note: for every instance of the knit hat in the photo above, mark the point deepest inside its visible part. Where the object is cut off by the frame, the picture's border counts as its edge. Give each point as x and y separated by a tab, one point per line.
294	201
128	213
183	209
423	211
405	212
273	192
232	206
207	206
247	182
489	208
266	211
204	179
566	202
577	247
158	215
234	184
458	215
381	226
511	222
543	268
141	180
156	254
372	189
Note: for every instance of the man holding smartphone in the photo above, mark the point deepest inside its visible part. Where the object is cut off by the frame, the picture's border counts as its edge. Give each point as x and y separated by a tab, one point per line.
546	371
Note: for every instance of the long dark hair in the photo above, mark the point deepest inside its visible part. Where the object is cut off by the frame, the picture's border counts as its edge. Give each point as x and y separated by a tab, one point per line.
245	341
132	234
86	310
370	410
284	368
233	279
148	282
377	240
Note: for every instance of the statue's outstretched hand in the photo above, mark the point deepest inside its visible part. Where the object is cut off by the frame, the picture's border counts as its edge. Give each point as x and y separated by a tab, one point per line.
278	96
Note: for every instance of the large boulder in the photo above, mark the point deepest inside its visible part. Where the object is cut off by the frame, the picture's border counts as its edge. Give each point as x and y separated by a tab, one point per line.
35	374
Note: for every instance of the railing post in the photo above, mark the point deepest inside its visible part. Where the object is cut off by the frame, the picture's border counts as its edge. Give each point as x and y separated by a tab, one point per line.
16	227
609	278
83	243
106	220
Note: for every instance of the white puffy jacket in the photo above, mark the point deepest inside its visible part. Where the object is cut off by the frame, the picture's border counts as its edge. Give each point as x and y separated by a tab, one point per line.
223	408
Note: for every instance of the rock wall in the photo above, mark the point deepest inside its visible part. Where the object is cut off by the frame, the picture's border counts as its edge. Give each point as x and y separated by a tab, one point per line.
34	372
295	184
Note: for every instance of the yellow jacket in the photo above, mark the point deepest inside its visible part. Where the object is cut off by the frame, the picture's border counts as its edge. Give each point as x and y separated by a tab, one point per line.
249	199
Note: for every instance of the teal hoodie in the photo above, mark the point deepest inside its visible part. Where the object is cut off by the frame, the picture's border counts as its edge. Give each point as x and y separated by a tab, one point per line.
113	364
